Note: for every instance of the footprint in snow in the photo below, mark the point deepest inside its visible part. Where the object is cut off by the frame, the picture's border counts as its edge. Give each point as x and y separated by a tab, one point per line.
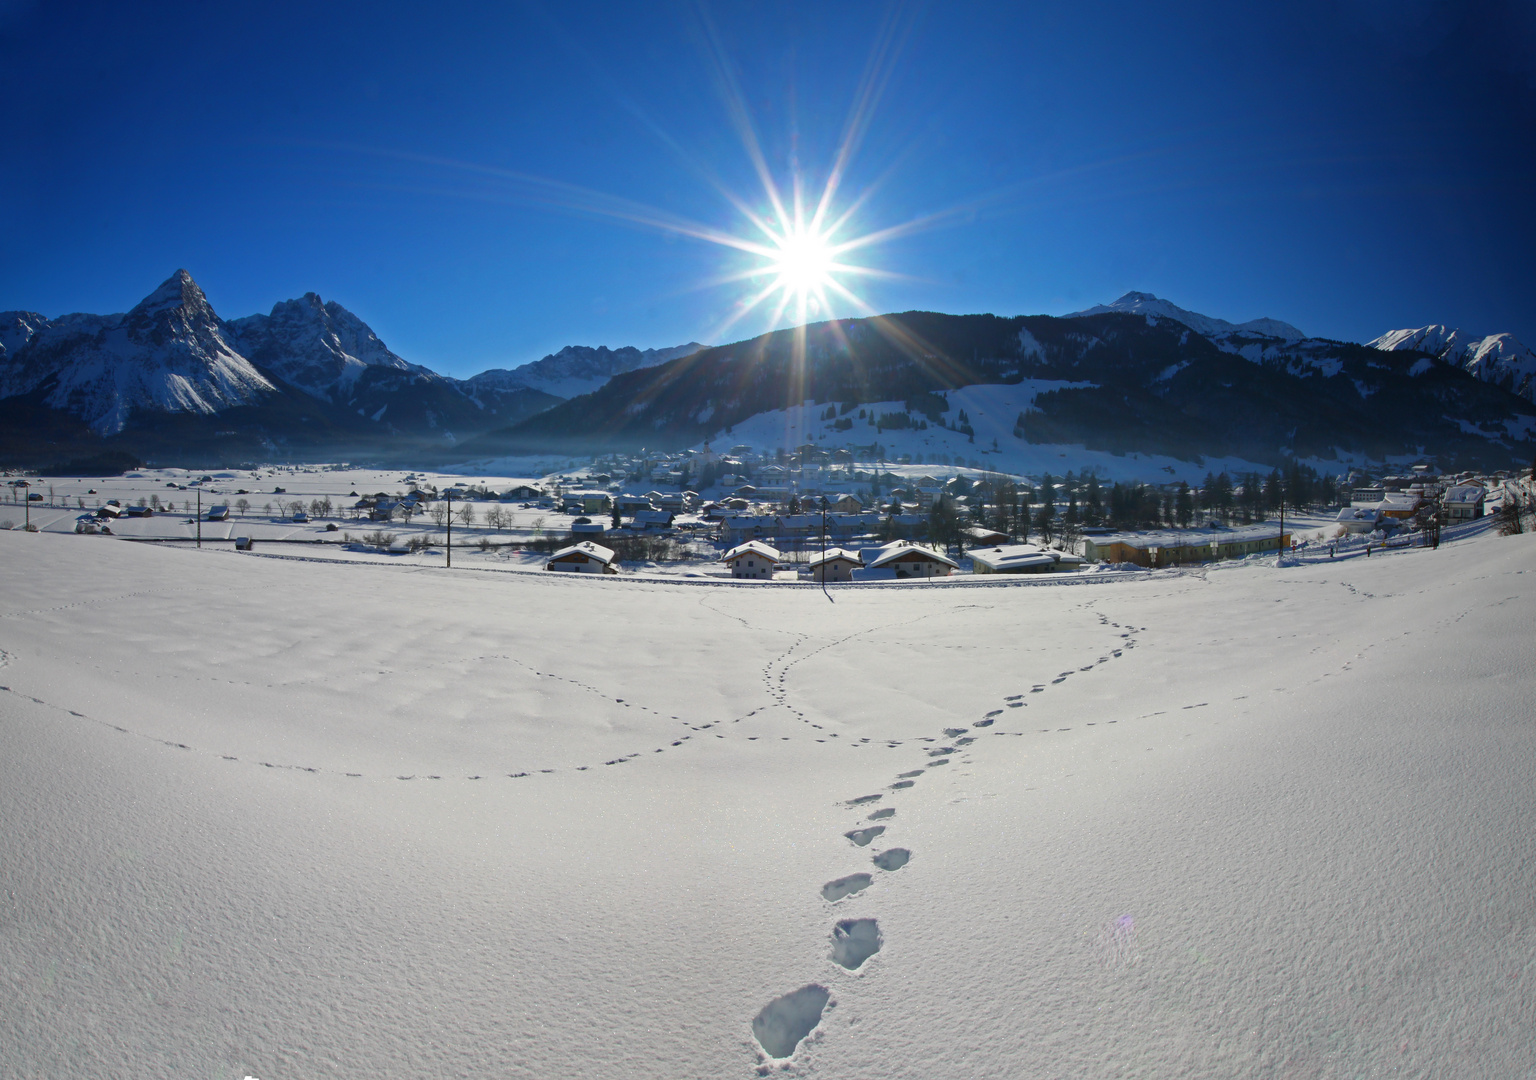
786	1020
902	785
855	941
893	859
908	775
881	815
862	837
863	799
834	891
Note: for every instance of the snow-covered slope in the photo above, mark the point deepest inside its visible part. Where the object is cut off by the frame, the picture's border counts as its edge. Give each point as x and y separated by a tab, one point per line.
575	369
318	347
1494	358
1140	303
284	818
168	354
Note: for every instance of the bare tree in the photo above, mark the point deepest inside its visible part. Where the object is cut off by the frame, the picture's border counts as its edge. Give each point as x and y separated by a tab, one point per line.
242	505
439	514
466	514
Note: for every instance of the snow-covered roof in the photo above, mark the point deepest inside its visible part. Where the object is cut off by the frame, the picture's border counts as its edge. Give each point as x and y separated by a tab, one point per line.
1465	493
1013	557
833	554
905	550
751	547
587	548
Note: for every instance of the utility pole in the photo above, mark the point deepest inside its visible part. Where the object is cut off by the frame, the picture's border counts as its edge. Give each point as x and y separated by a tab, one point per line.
449	519
828	595
26	496
1280	548
199	515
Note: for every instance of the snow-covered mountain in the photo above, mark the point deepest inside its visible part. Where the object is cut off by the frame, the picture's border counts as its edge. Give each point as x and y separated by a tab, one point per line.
169	354
575	369
311	379
1140	303
318	347
1494	358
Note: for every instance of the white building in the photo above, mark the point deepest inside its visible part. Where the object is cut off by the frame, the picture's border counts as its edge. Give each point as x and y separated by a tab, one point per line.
754	559
583	558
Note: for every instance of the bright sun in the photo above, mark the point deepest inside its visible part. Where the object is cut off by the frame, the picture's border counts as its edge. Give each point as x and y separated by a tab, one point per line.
804	263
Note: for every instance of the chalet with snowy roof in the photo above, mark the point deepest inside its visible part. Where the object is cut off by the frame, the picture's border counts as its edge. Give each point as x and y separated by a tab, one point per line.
583	558
982	536
1401	505
847	503
754	560
523	493
1464	502
912	561
1358	519
835	564
653	520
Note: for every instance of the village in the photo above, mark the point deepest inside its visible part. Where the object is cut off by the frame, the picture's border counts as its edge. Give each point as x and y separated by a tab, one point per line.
810	515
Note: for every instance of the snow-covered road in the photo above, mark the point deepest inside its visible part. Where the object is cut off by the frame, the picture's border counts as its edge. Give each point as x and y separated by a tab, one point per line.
304	819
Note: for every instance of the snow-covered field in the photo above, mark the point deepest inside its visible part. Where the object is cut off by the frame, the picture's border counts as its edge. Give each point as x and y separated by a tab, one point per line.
291	819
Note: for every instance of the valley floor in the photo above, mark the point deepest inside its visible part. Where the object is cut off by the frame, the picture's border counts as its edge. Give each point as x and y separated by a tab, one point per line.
294	819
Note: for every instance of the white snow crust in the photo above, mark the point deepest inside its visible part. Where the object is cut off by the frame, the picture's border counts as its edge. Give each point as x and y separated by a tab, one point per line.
291	818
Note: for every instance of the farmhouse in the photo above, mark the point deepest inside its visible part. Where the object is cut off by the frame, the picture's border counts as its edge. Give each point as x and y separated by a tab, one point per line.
754	559
583	558
835	564
909	560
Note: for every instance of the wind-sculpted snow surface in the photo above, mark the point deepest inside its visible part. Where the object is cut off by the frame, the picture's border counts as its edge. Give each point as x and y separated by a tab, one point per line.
287	818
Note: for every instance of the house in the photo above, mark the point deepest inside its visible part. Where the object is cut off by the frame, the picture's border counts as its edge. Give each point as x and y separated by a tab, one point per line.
145	511
243	543
587	528
982	536
585	502
632	504
1014	559
848	503
583	558
653	520
1357	519
909	560
1400	505
746	527
523	493
754	559
1464	502
216	513
835	564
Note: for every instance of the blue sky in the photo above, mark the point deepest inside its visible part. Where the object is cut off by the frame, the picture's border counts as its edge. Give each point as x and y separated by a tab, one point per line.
461	179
